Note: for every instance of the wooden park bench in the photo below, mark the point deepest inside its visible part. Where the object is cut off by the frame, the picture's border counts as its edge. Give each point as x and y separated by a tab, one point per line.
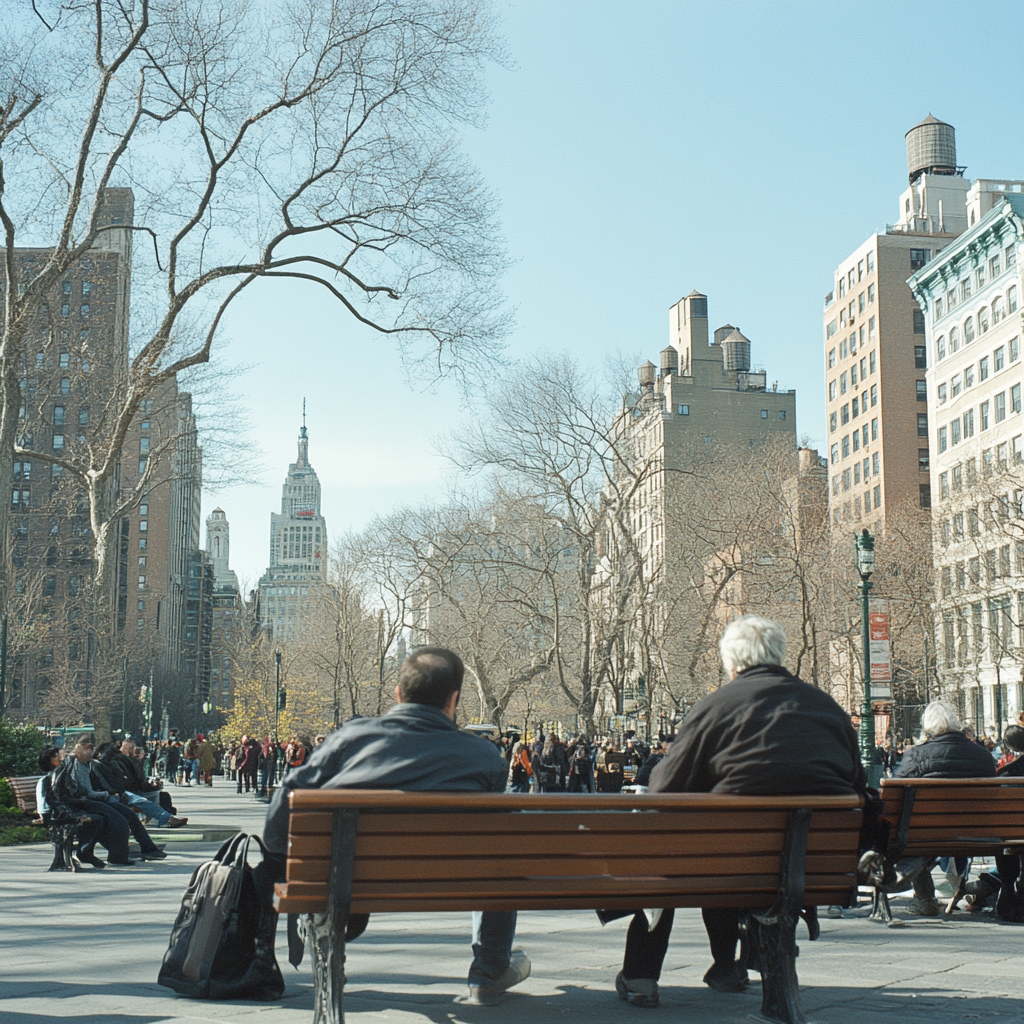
931	818
368	851
24	789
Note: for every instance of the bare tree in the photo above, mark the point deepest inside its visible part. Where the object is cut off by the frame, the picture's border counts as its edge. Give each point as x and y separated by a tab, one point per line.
313	142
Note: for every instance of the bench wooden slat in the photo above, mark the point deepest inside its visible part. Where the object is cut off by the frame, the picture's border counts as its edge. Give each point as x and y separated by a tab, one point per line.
579	844
24	789
319	822
321	799
965	820
386	869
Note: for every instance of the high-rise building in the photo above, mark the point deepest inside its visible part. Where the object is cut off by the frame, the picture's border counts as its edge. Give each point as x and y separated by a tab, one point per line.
298	549
972	295
228	610
875	352
75	357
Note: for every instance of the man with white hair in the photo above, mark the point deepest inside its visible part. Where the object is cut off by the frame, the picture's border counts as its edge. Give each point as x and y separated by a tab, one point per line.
765	733
943	752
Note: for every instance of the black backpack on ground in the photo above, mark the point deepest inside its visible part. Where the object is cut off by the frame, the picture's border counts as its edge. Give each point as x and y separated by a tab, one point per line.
222	943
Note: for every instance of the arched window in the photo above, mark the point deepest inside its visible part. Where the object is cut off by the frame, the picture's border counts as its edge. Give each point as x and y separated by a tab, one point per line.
983	320
998	309
954	339
216	547
969	330
940	347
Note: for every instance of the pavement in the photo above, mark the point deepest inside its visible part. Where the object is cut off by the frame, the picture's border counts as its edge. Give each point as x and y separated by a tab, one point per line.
86	947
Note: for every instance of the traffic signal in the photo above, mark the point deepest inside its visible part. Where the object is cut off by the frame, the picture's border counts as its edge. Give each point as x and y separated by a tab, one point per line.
282	700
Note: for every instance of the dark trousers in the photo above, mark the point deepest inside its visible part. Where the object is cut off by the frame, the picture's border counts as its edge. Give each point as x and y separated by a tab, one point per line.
113	830
249	778
645	950
135	826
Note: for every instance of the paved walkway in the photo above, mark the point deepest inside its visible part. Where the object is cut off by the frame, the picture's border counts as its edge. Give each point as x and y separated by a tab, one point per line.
86	947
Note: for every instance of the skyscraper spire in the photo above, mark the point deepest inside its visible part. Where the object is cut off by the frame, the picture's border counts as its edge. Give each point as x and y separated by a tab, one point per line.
303	460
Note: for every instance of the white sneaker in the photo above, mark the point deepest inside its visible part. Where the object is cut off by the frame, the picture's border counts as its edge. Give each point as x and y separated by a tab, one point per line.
637	991
490	993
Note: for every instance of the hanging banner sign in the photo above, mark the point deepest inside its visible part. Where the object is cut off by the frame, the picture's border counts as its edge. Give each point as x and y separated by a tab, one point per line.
881	659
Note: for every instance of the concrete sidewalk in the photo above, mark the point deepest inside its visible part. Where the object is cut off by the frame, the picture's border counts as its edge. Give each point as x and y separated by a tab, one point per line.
86	947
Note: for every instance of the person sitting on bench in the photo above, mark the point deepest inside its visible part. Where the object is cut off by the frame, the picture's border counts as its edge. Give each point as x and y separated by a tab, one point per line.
765	733
415	746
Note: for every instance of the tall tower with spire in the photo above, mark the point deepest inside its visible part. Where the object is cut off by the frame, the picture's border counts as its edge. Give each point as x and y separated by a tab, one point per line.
298	547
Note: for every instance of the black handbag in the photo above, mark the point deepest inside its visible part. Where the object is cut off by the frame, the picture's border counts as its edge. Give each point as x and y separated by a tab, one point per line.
222	942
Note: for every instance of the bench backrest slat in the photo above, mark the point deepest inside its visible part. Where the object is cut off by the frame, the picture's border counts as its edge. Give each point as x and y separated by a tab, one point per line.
24	789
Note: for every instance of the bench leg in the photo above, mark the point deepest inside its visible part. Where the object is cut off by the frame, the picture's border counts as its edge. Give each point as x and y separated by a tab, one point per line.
958	894
880	909
328	941
776	951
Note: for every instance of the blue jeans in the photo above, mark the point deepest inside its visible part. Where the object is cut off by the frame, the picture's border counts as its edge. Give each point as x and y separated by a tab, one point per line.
150	809
493	933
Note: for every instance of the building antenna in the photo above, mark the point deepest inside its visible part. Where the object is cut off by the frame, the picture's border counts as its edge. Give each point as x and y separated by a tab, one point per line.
303	412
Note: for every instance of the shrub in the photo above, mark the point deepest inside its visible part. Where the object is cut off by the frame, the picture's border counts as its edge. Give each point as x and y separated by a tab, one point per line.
22	834
20	747
7	795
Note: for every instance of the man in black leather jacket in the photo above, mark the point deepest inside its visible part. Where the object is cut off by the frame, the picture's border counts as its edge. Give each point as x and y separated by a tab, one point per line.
415	746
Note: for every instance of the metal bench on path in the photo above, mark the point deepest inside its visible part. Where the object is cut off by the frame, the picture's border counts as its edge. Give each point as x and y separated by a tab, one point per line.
368	851
933	818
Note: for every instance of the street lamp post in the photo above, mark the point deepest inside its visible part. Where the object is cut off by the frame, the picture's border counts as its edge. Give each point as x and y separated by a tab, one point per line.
277	694
865	567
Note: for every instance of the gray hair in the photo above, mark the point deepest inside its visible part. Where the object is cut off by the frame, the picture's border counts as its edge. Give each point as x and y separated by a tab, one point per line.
939	717
752	640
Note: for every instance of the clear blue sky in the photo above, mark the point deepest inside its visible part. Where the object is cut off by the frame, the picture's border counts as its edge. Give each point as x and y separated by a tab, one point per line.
641	150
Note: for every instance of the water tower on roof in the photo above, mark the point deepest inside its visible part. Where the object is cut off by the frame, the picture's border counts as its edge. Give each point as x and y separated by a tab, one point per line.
931	148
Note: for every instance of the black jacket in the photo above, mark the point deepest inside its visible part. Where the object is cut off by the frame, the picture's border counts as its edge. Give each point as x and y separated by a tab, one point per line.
412	747
643	773
765	733
128	771
949	756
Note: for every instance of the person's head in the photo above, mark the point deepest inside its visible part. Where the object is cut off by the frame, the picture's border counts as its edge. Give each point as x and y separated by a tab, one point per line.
431	676
128	746
319	739
49	758
751	640
1013	739
939	717
969	732
84	750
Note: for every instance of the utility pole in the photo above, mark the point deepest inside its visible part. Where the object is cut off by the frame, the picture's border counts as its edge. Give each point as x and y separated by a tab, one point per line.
3	666
277	695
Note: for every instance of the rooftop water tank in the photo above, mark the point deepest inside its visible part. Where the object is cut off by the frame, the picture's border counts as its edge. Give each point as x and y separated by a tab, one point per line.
931	148
646	373
736	353
722	333
669	361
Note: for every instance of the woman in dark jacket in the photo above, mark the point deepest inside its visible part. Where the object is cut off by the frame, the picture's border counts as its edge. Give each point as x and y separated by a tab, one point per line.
248	764
943	752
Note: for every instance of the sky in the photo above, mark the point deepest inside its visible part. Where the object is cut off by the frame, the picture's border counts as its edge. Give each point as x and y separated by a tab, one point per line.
641	150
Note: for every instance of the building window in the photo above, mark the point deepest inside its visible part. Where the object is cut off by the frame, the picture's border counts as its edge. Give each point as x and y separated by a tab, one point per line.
1011	298
142	582
918	258
941	392
831	358
764	414
832	424
830	329
920	358
856	440
1015	398
831	390
1014	349
845	414
969	330
143	526
954	384
782	412
846	479
943	439
1000	401
835	453
84	309
143	444
999	358
843	383
855	407
979	278
925	491
969	424
142	561
944	485
954	431
922	391
58	442
919	321
683	410
143	543
874	395
877	493
922	460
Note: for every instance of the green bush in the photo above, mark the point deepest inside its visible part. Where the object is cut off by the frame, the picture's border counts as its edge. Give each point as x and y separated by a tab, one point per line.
22	834
7	795
11	812
20	747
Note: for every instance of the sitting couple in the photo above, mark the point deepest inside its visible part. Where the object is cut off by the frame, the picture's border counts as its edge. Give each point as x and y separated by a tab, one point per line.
766	733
